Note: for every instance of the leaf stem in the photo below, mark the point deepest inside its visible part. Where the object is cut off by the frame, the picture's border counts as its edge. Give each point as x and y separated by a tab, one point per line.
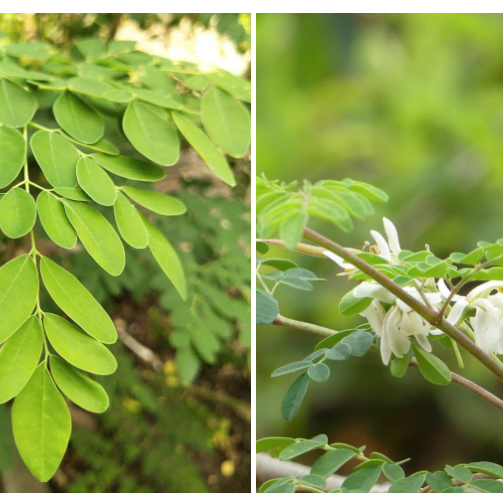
304	326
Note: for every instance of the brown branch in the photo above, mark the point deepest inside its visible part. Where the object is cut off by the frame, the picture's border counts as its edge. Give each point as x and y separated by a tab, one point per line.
430	315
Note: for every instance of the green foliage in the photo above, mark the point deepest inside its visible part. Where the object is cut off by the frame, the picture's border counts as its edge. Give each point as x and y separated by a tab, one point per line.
369	470
284	208
136	447
59	115
216	313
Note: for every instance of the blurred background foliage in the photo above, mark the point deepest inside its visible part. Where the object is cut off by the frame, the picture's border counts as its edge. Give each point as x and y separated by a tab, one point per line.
179	419
412	103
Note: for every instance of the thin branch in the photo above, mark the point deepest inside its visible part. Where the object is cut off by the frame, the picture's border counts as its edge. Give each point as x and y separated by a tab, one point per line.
462	381
302	325
430	315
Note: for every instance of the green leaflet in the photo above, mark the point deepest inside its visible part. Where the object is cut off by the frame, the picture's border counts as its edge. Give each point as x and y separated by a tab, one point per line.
57	157
98	236
54	220
78	348
17	106
130	222
119	96
95	182
151	133
73	194
232	84
78	119
210	154
227	121
35	50
42	425
90	87
92	48
18	293
101	145
19	357
187	363
132	169
156	202
157	98
79	388
166	257
17	213
77	302
294	396
432	367
13	152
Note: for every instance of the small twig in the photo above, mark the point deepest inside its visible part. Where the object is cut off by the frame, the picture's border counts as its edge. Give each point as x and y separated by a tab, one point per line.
302	325
145	354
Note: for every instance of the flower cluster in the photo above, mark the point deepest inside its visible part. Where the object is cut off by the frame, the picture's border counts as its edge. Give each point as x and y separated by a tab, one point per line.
395	322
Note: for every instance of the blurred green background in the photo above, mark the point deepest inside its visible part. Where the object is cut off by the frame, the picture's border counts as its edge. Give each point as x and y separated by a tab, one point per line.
412	103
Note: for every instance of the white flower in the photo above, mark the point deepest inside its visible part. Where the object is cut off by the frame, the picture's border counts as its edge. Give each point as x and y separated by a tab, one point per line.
487	323
388	250
399	323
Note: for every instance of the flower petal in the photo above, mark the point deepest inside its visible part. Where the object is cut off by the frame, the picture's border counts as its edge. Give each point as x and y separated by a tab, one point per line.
445	292
398	340
383	246
486	326
457	311
392	234
483	289
338	260
373	290
375	316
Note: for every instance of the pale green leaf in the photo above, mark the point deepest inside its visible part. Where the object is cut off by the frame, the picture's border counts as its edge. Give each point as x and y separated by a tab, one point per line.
77	347
95	182
234	85
132	169
12	154
42	425
151	133
227	121
98	236
432	367
130	223
78	119
19	357
91	87
77	302
18	293
54	220
79	388
17	106
17	213
156	202
210	154
57	157
73	194
166	257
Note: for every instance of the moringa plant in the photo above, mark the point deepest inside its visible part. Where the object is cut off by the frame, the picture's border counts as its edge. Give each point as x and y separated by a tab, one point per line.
411	302
57	112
